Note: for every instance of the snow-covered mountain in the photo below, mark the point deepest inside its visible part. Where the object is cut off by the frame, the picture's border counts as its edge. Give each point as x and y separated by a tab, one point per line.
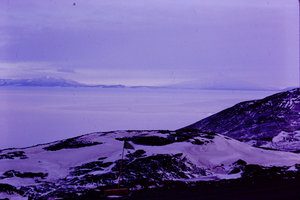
50	82
272	122
91	162
42	81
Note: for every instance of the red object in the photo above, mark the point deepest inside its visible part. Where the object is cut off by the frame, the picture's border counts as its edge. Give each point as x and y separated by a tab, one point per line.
117	191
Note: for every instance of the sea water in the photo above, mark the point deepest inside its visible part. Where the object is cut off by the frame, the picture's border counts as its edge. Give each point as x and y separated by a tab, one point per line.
34	115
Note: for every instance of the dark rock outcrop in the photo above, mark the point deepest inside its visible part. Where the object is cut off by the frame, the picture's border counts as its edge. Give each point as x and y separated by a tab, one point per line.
272	122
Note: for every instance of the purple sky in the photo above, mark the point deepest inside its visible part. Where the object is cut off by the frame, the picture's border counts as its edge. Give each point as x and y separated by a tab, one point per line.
232	43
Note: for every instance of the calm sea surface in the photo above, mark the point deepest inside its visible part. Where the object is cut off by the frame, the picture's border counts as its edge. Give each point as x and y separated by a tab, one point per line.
33	115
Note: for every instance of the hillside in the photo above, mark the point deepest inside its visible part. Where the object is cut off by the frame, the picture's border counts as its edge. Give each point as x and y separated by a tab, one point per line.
272	122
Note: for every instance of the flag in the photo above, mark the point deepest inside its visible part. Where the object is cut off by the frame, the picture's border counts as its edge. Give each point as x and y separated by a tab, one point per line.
127	145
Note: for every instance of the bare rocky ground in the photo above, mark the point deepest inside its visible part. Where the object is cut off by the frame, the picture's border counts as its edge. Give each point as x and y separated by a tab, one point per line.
272	122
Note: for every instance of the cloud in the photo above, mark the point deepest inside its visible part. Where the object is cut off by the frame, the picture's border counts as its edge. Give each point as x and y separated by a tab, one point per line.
158	41
25	69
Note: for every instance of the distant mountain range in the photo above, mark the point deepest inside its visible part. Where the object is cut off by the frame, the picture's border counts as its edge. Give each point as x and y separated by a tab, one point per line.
50	82
272	122
61	82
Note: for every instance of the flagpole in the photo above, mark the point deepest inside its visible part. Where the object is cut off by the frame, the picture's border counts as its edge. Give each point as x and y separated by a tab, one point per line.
121	163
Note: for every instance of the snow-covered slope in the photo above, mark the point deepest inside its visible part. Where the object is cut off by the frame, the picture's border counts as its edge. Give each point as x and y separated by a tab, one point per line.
89	161
272	122
42	81
48	81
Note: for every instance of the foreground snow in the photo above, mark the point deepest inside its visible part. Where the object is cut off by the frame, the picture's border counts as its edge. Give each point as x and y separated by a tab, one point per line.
214	154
